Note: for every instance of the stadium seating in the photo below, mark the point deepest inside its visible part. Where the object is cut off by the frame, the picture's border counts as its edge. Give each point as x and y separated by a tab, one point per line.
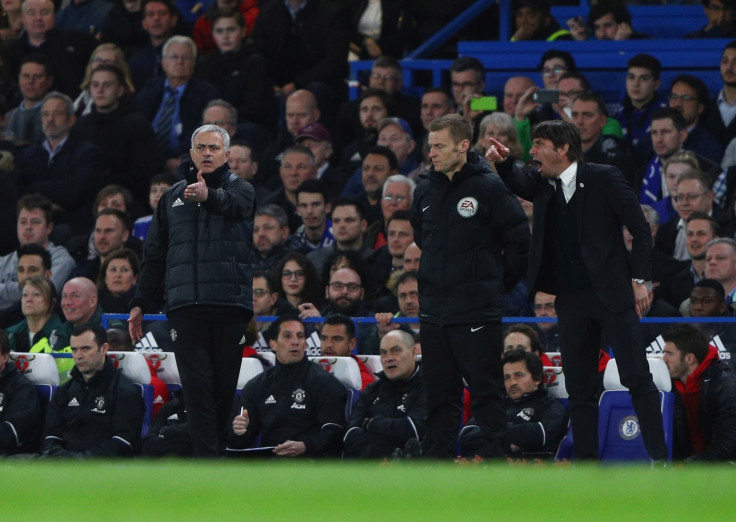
165	365
134	367
249	368
619	435
372	362
345	370
41	370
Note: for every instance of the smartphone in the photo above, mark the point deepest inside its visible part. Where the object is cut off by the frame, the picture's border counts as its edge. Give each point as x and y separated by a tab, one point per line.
485	103
546	96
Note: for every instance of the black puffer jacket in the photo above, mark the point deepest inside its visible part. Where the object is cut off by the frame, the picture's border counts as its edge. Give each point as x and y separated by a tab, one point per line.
716	413
20	412
202	250
475	242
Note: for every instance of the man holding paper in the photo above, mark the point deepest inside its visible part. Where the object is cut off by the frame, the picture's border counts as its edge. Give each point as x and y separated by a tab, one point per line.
295	406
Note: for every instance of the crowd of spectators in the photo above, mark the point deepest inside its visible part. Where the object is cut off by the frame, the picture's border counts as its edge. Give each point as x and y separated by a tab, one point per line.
100	98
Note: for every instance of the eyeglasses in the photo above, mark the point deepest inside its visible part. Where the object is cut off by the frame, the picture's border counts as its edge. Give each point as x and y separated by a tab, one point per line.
687	197
397	199
384	77
339	287
260	292
683	97
298	274
557	69
177	57
570	94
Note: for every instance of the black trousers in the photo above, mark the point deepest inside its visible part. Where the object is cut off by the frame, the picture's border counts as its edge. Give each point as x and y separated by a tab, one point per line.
582	320
208	355
449	353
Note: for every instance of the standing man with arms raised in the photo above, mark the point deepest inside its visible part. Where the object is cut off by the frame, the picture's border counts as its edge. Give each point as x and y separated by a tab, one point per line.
579	210
474	240
200	240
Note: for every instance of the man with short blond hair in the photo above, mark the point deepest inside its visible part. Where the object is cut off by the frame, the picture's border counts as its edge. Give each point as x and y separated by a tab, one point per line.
460	215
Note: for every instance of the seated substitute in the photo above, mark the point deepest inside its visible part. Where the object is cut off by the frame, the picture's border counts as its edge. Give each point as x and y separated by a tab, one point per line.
294	406
20	411
705	402
392	410
98	412
535	422
337	339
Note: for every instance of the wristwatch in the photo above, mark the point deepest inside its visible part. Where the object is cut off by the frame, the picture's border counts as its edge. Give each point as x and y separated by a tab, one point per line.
639	281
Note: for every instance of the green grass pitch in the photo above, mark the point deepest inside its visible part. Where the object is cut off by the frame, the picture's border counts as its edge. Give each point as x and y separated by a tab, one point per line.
289	490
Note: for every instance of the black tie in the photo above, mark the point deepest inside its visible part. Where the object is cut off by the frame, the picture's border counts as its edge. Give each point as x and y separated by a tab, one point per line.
559	193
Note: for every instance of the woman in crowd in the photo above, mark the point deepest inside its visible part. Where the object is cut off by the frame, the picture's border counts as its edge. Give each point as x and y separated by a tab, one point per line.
297	281
38	298
116	281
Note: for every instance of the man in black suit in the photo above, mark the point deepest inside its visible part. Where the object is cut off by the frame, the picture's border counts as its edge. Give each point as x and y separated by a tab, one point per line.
579	210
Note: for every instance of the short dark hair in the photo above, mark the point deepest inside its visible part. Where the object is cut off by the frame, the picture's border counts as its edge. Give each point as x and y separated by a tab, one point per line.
164	178
228	12
337	319
531	360
619	11
560	133
648	62
715	228
687	339
401	215
169	5
696	84
270	283
730	45
668	113
411	275
590	96
284	318
120	253
386	99
313	186
575	75
111	190
345	201
122	216
34	249
96	329
111	68
713	285
248	145
387	153
388	62
36	201
530	332
445	92
4	342
40	59
468	63
562	55
299	149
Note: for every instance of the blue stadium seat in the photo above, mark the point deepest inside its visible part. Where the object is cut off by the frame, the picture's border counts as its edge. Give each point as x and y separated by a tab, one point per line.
134	367
345	370
619	434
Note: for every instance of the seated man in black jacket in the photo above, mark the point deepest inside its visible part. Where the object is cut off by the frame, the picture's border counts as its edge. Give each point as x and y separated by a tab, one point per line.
20	411
705	400
96	413
295	406
391	411
535	422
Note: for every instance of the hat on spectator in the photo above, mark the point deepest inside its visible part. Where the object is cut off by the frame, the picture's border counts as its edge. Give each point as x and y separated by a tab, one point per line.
396	121
315	131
